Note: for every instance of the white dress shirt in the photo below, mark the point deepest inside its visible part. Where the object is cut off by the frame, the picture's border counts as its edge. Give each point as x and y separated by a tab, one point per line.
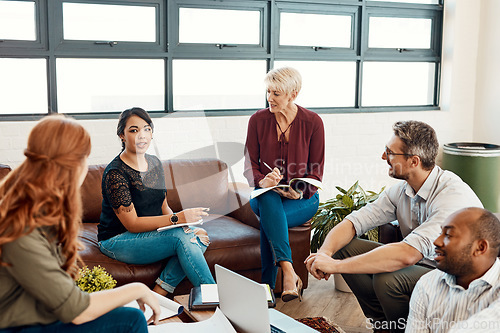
438	304
487	320
420	214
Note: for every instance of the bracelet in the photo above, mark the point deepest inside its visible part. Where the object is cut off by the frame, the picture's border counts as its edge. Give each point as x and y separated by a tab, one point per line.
301	195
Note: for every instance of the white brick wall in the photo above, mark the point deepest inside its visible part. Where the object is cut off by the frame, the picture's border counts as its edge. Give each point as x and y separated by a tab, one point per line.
354	143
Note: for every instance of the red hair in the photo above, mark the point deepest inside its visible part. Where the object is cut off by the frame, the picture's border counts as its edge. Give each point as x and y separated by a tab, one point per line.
44	190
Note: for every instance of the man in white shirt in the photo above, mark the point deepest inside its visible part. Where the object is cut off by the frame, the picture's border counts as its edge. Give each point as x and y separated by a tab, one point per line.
487	320
382	277
462	293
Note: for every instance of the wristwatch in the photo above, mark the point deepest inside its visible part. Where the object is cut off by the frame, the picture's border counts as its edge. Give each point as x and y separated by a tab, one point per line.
174	219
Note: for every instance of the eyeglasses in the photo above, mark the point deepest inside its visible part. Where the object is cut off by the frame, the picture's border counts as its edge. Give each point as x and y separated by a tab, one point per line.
389	152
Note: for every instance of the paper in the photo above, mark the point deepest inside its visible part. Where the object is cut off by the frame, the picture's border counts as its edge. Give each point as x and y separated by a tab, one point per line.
257	192
218	323
180	225
168	307
210	294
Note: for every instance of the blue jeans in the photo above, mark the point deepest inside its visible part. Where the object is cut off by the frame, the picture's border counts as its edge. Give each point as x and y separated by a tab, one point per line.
184	248
119	320
277	214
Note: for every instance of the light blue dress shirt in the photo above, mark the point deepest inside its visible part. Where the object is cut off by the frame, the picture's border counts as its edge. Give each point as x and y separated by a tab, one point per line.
420	215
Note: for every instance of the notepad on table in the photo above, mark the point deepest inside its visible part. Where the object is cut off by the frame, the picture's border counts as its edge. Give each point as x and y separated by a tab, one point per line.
206	297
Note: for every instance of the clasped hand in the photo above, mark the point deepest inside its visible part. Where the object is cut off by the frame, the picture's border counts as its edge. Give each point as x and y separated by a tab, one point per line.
320	265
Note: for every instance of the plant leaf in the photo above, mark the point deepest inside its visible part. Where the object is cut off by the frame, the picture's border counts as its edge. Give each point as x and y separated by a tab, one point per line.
334	210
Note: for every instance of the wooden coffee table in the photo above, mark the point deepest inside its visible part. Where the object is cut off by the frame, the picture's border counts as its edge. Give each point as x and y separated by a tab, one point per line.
174	319
183	317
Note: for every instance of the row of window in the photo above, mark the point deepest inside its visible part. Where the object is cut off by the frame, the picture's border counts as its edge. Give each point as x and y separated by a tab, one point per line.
98	57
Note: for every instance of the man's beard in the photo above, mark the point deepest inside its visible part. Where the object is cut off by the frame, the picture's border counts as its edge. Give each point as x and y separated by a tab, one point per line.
458	265
398	175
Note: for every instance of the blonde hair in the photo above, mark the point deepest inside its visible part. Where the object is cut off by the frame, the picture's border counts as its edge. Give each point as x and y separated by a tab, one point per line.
44	190
284	79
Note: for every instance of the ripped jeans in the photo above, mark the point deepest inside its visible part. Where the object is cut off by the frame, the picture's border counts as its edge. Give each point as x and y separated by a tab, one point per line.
184	246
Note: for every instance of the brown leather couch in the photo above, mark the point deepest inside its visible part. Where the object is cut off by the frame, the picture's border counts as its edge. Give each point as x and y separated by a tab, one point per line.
232	226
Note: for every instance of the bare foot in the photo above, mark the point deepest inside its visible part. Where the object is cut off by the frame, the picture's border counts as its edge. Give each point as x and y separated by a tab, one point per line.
159	290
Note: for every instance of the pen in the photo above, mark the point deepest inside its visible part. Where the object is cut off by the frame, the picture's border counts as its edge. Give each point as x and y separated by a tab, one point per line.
267	166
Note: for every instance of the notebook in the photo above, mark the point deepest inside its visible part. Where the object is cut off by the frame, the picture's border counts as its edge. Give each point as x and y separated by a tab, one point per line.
244	303
196	301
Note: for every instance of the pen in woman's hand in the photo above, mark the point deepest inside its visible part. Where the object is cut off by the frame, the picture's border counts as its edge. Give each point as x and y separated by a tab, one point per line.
268	166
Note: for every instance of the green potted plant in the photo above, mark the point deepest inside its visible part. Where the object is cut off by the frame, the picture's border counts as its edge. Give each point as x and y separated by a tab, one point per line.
94	279
333	211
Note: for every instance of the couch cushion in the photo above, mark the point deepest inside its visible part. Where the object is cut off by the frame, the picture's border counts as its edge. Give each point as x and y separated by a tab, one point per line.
189	183
197	183
92	194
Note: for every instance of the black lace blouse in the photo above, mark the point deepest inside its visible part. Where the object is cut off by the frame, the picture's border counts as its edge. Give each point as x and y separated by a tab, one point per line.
122	186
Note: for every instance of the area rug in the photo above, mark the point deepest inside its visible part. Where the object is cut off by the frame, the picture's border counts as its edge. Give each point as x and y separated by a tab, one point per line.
321	324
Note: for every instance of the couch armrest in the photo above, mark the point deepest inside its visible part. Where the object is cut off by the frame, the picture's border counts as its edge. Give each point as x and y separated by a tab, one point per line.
244	213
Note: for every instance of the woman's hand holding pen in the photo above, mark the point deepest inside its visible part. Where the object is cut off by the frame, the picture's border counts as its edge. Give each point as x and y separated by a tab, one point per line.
272	178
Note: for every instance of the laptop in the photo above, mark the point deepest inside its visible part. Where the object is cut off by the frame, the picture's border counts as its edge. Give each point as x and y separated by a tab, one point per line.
244	303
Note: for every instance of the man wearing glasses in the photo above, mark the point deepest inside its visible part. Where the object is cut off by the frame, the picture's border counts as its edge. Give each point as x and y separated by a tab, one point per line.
382	277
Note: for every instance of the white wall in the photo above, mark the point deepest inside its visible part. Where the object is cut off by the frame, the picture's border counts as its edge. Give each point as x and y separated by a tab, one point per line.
486	125
354	142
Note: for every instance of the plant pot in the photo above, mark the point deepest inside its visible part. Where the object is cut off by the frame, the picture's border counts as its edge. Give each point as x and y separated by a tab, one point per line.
340	283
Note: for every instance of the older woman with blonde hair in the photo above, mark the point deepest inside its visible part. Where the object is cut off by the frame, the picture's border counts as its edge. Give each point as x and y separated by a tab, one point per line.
284	141
40	217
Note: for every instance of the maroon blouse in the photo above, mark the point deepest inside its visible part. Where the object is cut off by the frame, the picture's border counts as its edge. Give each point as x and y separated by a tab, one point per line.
302	156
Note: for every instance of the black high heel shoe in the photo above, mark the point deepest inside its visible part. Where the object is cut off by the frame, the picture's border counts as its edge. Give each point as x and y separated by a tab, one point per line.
290	295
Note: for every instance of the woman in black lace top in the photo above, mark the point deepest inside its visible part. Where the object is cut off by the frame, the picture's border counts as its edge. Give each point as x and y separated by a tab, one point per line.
135	205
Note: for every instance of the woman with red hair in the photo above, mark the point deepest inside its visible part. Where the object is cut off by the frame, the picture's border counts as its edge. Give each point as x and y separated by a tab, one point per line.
40	217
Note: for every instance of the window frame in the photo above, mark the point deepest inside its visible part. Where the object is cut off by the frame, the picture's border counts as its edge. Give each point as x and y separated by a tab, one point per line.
396	54
190	50
64	46
40	43
329	53
51	46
